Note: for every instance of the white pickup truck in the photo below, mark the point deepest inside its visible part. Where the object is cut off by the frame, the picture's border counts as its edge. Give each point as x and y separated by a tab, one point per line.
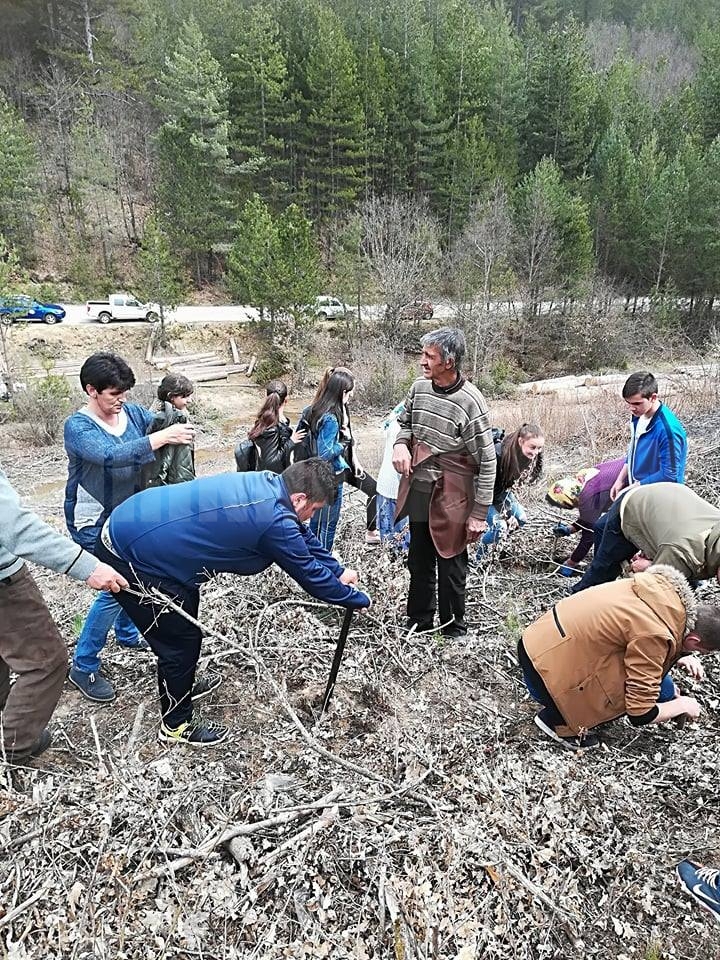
121	306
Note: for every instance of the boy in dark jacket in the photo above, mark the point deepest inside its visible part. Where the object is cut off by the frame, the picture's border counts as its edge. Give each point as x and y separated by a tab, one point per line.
173	464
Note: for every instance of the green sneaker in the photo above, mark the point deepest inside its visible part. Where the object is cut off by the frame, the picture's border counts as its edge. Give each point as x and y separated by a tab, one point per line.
196	731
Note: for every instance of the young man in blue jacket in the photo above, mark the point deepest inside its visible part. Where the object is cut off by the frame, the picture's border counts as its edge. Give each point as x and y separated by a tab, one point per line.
658	442
175	538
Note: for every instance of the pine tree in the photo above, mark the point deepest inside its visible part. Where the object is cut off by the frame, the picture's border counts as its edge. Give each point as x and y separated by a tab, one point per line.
274	264
334	148
706	88
252	257
195	168
18	175
553	238
297	266
561	95
259	102
159	274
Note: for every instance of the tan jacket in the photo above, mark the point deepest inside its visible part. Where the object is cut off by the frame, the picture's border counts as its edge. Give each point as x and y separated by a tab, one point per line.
603	652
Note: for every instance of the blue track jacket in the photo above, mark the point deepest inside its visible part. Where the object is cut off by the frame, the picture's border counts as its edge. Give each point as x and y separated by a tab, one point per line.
228	523
659	453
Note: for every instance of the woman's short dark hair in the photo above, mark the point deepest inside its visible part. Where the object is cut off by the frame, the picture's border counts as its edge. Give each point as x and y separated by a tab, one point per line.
175	385
106	371
314	477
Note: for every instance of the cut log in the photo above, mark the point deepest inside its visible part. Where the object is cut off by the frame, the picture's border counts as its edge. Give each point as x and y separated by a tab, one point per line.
149	348
252	364
203	377
234	350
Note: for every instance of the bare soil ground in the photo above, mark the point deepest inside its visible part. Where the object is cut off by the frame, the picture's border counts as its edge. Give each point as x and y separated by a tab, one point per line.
423	816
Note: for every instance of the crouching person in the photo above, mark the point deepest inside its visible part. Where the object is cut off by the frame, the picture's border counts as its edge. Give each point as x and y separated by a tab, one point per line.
174	538
607	651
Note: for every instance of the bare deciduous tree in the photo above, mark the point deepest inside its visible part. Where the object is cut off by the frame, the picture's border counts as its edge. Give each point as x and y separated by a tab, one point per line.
400	246
481	248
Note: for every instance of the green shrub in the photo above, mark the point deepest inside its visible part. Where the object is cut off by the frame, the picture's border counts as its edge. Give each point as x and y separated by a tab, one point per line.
43	408
383	376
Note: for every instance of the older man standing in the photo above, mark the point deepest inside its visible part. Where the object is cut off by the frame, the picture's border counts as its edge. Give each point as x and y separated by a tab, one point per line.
446	458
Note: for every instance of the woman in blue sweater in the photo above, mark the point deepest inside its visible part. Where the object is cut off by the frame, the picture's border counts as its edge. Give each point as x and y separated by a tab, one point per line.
107	448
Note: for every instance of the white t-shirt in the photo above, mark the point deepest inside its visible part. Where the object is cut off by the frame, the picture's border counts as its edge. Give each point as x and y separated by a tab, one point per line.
641	427
388	479
117	431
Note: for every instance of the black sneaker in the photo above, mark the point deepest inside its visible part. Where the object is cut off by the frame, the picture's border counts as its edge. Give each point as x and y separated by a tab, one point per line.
454	631
196	731
94	686
564	736
420	626
40	746
205	685
140	645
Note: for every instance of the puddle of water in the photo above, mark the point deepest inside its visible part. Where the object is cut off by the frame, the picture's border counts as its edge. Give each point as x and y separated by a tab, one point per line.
42	490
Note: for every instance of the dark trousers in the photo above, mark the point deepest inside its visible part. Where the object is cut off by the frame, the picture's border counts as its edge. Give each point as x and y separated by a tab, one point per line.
367	485
537	689
173	639
31	647
430	572
611	548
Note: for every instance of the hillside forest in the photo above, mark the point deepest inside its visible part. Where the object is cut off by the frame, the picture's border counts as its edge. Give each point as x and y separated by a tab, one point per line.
552	151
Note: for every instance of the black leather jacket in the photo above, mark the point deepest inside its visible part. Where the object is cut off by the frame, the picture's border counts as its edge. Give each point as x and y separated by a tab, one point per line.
273	448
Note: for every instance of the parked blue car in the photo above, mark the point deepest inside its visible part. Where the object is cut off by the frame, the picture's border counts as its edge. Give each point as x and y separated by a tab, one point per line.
25	308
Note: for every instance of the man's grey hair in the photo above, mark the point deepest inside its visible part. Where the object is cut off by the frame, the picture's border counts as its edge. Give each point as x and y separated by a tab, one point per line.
314	477
450	342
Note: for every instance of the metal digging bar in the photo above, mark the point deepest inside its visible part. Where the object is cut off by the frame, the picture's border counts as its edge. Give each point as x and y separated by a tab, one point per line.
337	659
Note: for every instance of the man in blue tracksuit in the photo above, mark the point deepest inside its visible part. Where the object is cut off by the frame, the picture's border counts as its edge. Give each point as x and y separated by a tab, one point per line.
657	453
174	538
658	443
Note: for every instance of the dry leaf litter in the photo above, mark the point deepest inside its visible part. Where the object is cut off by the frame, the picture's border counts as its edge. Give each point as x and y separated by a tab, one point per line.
423	816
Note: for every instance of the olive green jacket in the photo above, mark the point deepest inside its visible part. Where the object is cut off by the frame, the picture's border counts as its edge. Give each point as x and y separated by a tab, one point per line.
671	524
174	463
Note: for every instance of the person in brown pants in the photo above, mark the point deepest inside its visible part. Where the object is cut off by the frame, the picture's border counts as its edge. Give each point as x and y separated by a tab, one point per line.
30	643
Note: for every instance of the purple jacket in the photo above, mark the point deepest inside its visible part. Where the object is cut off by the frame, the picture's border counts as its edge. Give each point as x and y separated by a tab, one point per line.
593	501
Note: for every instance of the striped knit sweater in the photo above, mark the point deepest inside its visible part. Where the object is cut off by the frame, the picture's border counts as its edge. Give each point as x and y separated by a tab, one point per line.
451	420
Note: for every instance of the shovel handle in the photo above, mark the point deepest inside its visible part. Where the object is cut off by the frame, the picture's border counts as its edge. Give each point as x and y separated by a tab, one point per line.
337	659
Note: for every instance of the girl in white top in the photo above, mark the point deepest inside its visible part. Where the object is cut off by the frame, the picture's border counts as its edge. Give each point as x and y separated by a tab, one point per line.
394	535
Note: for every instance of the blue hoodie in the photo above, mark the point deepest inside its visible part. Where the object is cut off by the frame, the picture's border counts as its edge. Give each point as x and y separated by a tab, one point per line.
661	452
228	523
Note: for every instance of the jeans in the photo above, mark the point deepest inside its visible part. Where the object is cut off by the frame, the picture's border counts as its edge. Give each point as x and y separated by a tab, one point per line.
393	535
173	639
497	522
611	548
104	613
323	522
